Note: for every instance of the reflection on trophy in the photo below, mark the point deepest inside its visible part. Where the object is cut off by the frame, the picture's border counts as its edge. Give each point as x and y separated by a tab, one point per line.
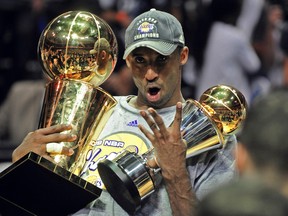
78	52
205	126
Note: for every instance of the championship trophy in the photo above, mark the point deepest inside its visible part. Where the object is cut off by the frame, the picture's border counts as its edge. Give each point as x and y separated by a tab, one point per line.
78	52
205	126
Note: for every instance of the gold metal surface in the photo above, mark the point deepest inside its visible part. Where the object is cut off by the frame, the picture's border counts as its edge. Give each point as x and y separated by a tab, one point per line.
227	106
199	129
83	106
78	52
78	45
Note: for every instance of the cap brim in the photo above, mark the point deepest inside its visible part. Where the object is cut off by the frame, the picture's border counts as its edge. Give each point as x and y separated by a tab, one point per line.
161	47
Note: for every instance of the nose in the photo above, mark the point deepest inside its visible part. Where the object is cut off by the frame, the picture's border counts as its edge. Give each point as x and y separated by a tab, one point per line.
151	74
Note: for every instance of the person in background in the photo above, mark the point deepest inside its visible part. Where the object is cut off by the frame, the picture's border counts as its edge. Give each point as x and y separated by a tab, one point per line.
244	197
222	52
19	114
262	150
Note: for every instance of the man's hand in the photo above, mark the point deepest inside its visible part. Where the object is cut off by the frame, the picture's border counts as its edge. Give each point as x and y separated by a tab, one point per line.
38	140
170	154
167	142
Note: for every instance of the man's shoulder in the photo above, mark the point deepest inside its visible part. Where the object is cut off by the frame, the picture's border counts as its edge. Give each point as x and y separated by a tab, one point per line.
120	98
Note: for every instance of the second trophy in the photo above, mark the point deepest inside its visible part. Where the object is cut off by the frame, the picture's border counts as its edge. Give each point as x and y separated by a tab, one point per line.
205	126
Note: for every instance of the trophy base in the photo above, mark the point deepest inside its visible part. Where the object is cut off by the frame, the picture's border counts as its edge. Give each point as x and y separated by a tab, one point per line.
120	186
35	186
127	180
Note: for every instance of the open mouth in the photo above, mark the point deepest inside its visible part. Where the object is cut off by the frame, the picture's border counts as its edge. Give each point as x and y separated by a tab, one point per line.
153	94
153	91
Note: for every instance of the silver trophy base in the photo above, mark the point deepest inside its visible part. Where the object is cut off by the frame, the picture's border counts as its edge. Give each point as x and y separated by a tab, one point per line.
127	179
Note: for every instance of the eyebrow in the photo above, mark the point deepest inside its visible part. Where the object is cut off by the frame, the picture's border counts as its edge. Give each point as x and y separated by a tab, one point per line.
136	53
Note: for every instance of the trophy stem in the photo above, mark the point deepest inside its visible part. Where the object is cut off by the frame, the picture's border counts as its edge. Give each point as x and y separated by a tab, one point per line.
80	104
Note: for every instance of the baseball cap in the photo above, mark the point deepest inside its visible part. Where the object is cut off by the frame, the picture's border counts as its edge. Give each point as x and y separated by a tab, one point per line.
100	44
156	30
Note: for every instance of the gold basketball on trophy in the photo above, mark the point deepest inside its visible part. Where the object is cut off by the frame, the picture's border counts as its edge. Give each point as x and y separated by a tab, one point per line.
227	106
78	45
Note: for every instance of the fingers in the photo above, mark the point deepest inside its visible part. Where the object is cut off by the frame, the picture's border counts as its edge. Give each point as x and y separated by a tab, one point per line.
36	141
178	116
157	124
153	163
54	139
158	120
58	148
149	135
152	123
55	148
60	138
54	129
53	134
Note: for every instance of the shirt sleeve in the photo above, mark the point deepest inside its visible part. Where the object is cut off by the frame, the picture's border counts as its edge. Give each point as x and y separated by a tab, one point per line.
212	169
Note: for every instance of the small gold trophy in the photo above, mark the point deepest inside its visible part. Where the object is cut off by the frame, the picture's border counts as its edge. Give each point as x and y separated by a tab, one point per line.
78	52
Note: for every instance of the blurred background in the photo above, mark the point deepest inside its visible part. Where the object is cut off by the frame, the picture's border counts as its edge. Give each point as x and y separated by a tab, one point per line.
22	21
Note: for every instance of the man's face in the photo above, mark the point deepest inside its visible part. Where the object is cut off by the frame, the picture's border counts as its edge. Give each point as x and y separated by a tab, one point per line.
157	77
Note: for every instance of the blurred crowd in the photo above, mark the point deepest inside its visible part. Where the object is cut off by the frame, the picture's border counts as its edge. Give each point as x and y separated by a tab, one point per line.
236	42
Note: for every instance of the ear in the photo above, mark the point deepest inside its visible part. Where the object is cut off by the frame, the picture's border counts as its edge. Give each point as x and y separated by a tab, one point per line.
242	158
103	54
184	55
128	62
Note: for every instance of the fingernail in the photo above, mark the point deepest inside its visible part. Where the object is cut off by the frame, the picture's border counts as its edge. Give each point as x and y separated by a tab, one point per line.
73	136
71	151
150	110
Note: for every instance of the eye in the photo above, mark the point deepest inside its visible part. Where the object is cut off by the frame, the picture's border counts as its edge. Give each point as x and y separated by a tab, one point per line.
139	59
162	59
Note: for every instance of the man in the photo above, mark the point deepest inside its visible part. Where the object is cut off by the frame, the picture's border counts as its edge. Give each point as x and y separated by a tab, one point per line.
155	53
